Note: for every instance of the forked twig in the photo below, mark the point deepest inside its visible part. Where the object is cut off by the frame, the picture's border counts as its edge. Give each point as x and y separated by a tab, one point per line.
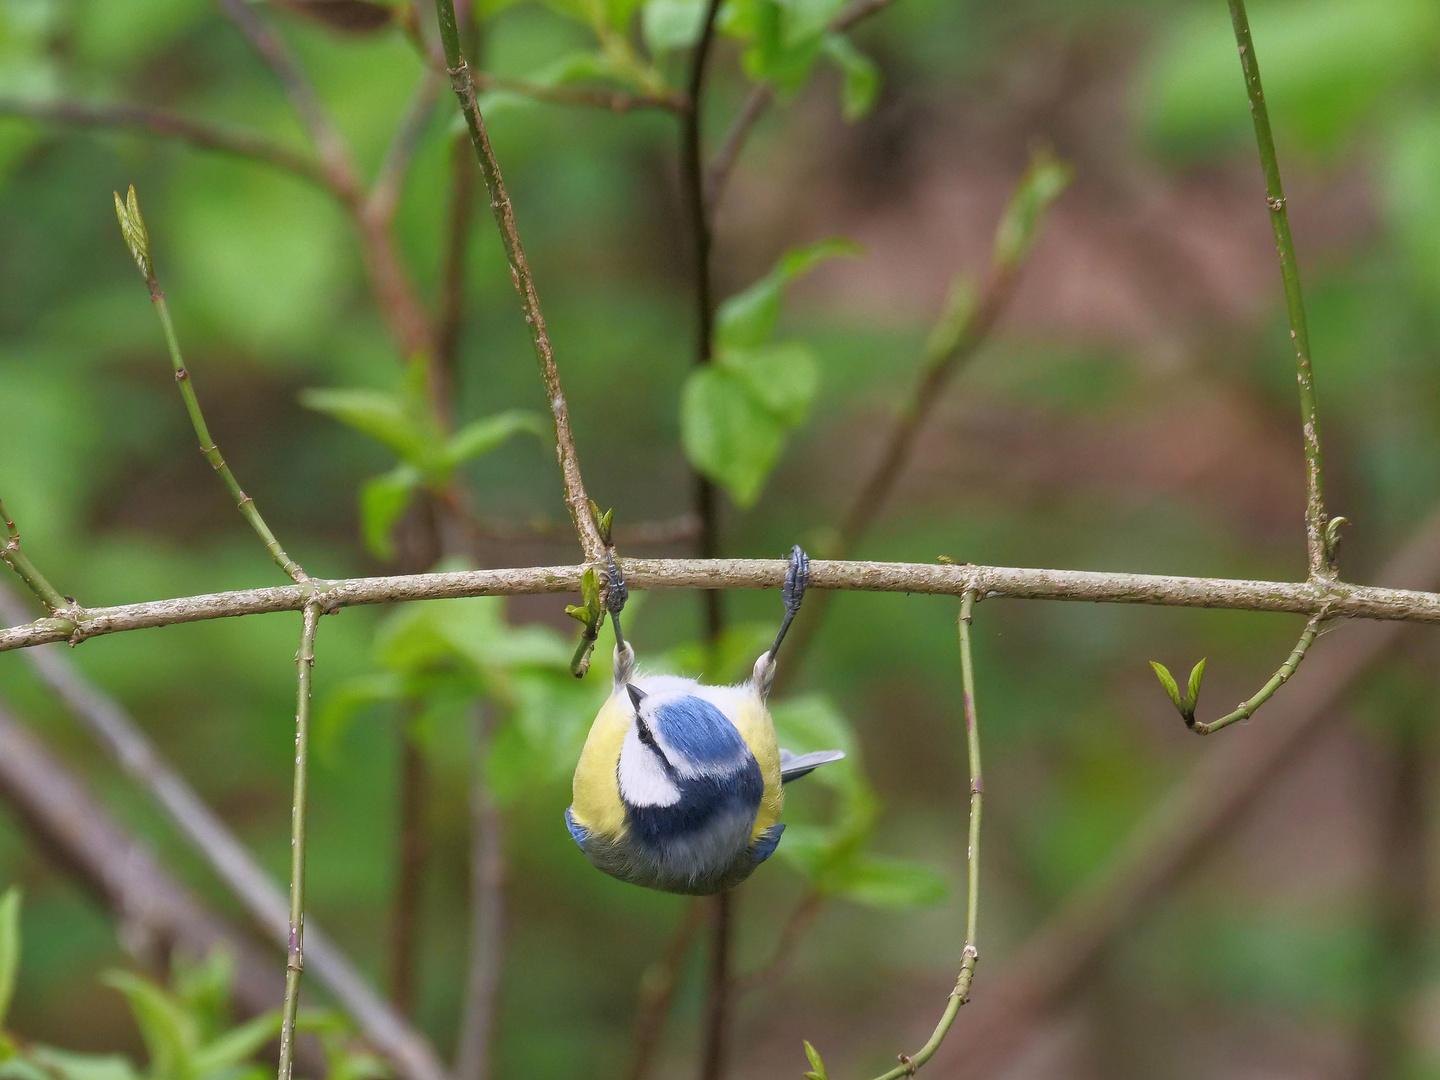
18	561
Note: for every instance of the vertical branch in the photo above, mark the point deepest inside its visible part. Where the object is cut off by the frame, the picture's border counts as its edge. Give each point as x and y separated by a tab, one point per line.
657	991
1319	540
137	238
461	82
970	954
412	843
717	1004
487	916
1400	900
295	959
692	179
452	273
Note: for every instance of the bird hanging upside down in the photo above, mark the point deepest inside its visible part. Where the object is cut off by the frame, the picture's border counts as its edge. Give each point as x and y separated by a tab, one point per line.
679	787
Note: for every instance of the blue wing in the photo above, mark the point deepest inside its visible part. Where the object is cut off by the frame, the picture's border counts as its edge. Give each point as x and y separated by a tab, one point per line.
766	844
578	833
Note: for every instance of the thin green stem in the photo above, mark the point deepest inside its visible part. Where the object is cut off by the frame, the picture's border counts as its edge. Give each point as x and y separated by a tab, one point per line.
1279	679
244	502
18	561
295	958
970	954
1319	544
463	84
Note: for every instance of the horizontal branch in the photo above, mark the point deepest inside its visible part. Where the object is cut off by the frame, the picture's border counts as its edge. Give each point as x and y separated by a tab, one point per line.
1339	599
245	144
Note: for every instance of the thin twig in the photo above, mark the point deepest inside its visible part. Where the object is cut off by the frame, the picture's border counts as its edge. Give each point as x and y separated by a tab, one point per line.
950	348
244	144
474	1051
1319	542
266	904
718	997
641	534
970	954
322	130
1340	599
452	274
1170	841
576	500
384	195
132	227
692	182
1281	676
411	854
616	101
295	955
657	989
760	98
791	933
18	561
408	322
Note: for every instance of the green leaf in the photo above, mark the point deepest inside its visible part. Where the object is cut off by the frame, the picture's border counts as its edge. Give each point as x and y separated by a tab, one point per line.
861	86
1168	682
786	37
71	1066
385	417
950	328
672	24
9	947
782	377
894	884
1042	183
168	1032
383	499
236	1046
347	700
748	318
481	436
1196	674
727	434
203	988
817	1065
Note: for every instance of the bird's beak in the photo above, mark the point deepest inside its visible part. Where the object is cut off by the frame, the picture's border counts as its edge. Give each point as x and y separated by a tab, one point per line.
636	695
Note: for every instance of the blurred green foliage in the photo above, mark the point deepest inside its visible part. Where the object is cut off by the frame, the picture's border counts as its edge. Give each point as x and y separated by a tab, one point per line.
269	294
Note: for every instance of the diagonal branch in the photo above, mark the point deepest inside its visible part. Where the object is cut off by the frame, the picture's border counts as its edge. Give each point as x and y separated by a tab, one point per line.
958	335
759	100
1319	534
132	226
227	857
322	130
578	502
163	122
18	561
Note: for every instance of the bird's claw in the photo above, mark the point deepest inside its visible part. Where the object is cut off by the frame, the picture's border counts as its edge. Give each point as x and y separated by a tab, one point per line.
797	580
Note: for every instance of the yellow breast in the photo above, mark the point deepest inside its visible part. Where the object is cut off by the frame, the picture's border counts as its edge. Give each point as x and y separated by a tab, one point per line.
596	791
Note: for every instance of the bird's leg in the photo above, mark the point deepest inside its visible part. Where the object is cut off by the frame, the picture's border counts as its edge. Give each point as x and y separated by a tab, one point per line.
615	596
797	580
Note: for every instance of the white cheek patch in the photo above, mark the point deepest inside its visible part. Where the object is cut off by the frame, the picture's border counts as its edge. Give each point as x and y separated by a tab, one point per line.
643	779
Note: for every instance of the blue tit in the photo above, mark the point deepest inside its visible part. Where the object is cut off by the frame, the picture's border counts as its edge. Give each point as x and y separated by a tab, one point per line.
680	785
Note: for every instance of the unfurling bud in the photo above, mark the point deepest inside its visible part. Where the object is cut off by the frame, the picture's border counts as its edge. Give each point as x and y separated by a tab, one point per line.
132	227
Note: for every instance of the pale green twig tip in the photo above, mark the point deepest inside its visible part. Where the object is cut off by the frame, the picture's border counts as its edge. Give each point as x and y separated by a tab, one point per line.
132	227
